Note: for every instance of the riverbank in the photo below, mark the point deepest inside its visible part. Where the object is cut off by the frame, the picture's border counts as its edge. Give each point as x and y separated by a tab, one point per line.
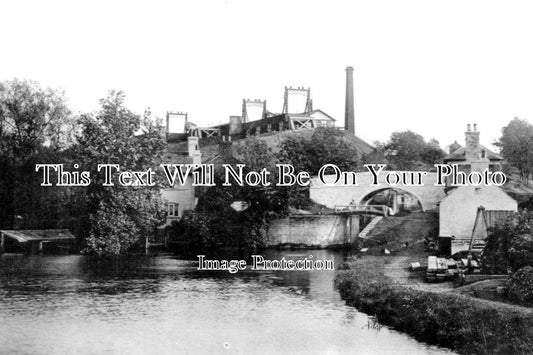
462	323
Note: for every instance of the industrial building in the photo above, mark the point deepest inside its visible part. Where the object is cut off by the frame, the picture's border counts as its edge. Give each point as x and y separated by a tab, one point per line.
188	142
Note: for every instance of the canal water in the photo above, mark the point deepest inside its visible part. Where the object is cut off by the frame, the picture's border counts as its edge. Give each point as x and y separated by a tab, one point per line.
162	305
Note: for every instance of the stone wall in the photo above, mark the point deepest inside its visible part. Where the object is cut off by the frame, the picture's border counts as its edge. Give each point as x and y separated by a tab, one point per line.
313	230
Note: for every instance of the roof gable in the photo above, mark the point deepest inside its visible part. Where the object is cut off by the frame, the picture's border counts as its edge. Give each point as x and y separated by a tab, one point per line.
319	114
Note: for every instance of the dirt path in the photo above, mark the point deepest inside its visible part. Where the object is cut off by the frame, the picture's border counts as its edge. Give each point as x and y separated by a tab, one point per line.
396	268
402	235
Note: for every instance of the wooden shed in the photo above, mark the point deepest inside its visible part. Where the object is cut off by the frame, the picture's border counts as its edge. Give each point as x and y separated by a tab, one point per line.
35	240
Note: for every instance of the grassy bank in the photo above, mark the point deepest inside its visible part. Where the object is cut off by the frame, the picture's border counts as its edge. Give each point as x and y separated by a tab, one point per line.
464	324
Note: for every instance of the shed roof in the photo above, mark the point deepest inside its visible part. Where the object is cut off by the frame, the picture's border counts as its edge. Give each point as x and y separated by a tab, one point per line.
38	235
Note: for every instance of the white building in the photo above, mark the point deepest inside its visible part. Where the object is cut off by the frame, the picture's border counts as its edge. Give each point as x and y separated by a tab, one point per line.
458	210
179	198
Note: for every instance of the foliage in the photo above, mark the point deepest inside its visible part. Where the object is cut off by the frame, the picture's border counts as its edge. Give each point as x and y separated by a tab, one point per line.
216	224
521	251
195	227
377	156
119	216
36	127
510	244
112	231
443	319
516	146
32	117
520	286
255	154
408	151
326	146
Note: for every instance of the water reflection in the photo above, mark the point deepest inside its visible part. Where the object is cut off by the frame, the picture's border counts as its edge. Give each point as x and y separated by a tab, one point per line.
163	305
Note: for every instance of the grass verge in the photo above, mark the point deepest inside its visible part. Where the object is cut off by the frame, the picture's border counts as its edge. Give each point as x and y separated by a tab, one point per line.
445	319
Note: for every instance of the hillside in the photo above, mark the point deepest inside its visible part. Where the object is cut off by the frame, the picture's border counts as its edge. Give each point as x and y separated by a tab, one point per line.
273	140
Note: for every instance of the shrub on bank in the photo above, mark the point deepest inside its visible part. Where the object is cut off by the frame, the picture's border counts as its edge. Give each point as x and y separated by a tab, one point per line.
520	286
445	319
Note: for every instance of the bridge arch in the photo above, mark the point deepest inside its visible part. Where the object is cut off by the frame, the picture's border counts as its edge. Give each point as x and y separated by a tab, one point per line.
395	198
331	194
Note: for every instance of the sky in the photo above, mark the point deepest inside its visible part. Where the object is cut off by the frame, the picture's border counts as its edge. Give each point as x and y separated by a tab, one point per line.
426	66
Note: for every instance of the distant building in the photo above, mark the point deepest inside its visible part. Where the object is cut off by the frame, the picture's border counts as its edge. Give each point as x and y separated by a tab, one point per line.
180	198
257	120
459	222
191	143
473	155
297	115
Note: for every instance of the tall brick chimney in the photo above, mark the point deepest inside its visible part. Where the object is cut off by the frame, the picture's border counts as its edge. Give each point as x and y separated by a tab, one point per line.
349	117
472	148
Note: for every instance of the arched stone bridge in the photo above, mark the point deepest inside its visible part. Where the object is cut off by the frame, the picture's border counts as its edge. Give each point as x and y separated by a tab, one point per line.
428	194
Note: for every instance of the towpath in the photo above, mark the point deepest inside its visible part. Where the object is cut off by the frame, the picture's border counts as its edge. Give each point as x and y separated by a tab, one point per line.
397	268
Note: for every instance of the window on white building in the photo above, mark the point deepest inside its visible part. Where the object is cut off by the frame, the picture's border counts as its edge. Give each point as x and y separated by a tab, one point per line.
172	210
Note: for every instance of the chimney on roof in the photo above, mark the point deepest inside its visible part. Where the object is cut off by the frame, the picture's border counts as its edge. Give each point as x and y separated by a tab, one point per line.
235	125
194	149
472	148
454	146
349	116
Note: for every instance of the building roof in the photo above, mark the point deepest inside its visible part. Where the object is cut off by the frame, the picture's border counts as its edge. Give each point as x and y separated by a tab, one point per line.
39	235
310	114
459	154
319	110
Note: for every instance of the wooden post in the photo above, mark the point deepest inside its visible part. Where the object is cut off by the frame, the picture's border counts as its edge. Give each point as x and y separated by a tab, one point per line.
2	242
146	245
348	229
351	228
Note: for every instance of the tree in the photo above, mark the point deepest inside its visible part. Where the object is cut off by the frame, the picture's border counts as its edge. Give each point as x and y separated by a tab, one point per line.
432	155
325	146
36	126
119	216
255	154
520	286
216	224
516	144
408	151
510	244
32	117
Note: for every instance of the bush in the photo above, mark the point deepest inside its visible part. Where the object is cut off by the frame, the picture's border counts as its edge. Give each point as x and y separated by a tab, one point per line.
509	245
457	322
520	286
